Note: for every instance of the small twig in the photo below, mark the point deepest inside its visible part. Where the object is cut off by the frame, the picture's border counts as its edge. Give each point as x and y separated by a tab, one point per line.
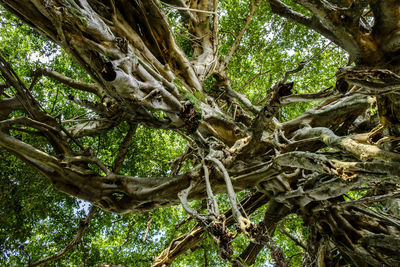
147	229
130	226
302	64
228	32
36	76
276	252
88	159
205	257
294	255
27	121
179	224
114	14
219	96
83	224
177	163
229	107
55	101
2	88
255	77
71	137
77	120
239	37
77	117
118	220
188	138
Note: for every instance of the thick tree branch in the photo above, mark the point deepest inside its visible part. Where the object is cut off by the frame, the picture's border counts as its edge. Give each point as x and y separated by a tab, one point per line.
8	105
376	81
242	98
28	151
322	95
361	151
87	87
92	127
336	110
285	11
204	220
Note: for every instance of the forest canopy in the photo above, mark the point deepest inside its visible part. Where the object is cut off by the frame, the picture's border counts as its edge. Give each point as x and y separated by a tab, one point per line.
199	133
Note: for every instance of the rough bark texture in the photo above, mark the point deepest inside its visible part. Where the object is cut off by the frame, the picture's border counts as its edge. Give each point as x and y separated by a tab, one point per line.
130	52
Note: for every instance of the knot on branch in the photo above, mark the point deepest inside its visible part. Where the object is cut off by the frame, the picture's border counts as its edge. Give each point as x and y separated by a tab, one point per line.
277	255
107	72
222	236
190	116
122	44
346	175
342	86
250	229
39	71
281	90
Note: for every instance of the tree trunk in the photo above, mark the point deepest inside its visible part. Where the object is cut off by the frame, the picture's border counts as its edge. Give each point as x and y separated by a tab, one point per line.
129	50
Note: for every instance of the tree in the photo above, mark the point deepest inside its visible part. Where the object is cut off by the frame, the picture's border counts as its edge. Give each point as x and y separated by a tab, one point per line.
173	65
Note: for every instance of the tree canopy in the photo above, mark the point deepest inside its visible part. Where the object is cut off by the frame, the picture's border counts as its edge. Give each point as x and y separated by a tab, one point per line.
199	132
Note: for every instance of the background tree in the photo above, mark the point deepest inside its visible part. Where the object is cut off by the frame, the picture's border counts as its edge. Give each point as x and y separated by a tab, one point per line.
197	100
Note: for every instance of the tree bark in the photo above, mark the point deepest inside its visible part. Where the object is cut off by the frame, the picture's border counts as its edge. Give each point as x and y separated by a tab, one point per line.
129	50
